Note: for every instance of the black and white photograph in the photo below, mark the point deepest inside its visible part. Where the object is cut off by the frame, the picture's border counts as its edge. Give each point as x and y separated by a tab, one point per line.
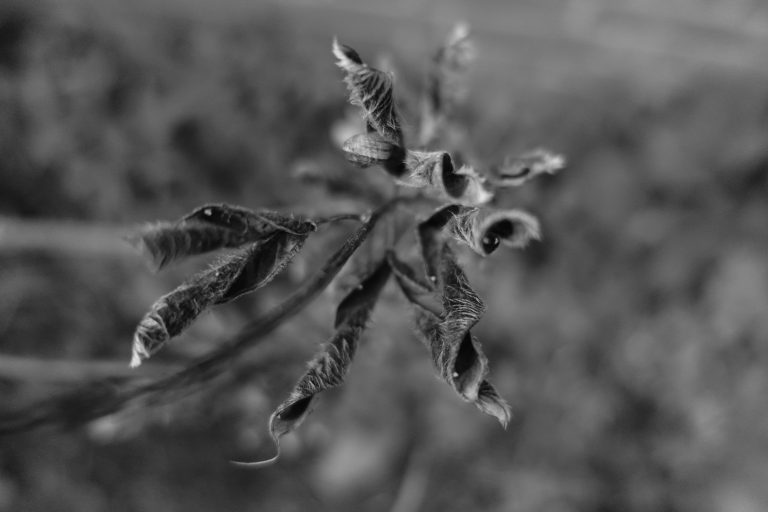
368	256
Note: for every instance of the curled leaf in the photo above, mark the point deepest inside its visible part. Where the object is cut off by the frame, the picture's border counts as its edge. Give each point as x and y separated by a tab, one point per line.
485	230
241	272
212	227
328	368
446	82
517	170
371	90
490	402
456	353
436	170
365	150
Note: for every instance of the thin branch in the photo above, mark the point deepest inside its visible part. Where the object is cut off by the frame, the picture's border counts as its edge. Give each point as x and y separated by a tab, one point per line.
336	218
100	397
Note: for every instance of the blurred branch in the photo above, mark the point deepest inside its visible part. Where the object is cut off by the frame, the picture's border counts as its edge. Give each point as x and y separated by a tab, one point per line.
63	237
104	396
82	238
59	371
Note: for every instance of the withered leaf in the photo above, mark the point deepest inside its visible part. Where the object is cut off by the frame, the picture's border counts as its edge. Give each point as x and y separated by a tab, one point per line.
446	82
243	271
328	368
485	230
517	170
371	90
456	353
436	171
212	227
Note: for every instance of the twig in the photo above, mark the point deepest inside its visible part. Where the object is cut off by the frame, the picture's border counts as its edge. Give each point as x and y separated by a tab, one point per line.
339	217
100	397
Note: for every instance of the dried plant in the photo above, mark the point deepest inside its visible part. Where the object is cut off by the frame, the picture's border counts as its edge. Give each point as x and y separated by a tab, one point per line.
257	245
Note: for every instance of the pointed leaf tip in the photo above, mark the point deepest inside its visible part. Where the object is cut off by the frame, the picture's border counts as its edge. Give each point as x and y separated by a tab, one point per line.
260	463
490	402
372	91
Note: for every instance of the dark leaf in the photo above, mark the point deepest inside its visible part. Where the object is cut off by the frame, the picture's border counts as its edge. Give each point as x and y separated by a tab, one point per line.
212	227
371	90
262	263
432	238
241	272
485	230
328	368
417	291
360	301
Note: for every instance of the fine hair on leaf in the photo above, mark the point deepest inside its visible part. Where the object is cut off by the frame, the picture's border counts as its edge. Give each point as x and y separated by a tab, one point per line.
328	368
456	353
371	90
243	271
485	230
211	227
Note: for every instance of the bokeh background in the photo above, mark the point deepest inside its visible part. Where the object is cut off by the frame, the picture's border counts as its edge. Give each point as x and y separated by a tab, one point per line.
632	342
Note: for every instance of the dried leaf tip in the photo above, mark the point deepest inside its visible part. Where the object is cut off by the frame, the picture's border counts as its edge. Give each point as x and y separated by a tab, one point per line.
517	170
371	90
347	58
260	463
490	402
151	334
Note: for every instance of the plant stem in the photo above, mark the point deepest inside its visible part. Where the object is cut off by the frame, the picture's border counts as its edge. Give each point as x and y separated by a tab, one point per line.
100	397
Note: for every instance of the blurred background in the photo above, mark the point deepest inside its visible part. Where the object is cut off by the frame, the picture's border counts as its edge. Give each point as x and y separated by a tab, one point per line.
632	342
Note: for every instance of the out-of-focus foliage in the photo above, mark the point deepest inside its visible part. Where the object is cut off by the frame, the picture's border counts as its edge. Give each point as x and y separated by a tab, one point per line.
632	340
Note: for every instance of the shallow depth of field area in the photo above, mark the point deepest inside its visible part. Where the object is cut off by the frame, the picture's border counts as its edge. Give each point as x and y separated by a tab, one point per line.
631	342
